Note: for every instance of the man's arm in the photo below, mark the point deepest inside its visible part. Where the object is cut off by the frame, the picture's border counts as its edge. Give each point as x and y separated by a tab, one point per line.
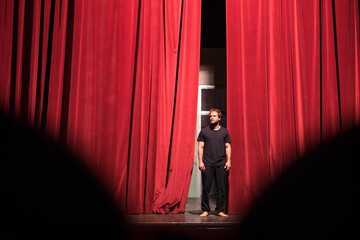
228	156
200	155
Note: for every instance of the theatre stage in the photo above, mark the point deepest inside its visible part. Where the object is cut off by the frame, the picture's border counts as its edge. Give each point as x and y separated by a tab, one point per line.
185	226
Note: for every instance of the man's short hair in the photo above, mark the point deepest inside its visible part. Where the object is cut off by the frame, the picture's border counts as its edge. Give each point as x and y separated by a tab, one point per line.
216	110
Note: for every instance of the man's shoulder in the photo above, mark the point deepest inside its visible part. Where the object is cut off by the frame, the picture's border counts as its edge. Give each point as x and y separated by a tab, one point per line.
225	132
224	129
203	135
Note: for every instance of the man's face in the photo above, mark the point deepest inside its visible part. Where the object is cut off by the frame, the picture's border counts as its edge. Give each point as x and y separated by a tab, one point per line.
214	118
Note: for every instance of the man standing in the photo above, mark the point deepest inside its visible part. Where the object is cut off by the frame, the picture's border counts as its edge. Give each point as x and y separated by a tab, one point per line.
214	154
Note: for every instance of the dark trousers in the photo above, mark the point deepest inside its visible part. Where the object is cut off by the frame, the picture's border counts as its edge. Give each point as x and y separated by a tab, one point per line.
220	175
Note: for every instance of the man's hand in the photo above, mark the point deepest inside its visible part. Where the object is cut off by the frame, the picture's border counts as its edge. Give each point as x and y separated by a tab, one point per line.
202	166
227	166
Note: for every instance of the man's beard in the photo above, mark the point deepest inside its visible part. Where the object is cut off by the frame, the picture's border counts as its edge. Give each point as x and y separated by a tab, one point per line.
212	125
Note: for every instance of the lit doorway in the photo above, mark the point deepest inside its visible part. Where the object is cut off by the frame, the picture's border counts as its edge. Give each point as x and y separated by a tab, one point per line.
209	96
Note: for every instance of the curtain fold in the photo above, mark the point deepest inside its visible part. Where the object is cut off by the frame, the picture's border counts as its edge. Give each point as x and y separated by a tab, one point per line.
293	83
115	82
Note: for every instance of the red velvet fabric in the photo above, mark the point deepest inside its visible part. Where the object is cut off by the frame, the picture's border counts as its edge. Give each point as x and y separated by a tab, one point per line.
293	83
114	81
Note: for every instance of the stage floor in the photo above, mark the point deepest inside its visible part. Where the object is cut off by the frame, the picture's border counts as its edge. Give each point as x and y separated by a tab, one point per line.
188	225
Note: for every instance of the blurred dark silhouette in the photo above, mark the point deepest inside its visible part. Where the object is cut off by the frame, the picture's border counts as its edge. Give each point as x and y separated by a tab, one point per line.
46	193
312	199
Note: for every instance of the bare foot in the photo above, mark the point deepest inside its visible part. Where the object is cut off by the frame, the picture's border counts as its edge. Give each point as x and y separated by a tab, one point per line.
204	214
221	214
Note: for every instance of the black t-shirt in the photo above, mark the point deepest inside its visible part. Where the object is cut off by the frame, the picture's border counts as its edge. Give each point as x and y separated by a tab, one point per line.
214	145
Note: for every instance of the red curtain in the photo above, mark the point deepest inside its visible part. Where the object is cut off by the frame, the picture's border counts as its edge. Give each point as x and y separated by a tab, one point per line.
293	83
114	81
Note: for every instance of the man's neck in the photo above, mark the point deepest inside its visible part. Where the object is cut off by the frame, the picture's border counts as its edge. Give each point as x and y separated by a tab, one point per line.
215	127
